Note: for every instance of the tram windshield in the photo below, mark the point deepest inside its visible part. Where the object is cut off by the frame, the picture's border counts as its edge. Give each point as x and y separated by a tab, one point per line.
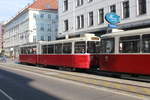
107	45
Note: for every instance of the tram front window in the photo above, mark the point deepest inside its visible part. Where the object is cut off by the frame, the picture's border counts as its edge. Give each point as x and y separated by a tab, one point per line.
80	47
129	44
146	43
107	45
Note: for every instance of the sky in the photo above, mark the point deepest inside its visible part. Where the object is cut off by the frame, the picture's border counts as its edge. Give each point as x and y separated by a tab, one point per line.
9	8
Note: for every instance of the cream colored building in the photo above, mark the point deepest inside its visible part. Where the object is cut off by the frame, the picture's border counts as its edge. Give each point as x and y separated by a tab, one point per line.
36	22
81	16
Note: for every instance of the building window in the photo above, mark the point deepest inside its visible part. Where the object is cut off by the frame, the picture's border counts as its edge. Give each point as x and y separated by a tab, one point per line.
49	38
42	16
113	8
65	5
79	2
66	25
100	16
42	27
34	15
80	21
42	38
49	28
91	20
49	16
126	10
142	7
34	38
90	0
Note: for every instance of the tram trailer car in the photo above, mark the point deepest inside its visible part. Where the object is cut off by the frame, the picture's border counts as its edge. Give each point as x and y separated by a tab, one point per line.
73	53
126	52
28	53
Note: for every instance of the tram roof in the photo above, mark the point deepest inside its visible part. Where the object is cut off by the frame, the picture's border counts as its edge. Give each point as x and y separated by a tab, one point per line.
128	33
86	37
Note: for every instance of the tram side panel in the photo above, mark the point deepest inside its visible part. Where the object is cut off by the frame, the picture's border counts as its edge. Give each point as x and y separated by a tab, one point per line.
32	59
74	61
125	63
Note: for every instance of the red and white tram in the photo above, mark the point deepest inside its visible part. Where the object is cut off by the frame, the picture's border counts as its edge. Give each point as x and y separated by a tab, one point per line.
74	52
126	52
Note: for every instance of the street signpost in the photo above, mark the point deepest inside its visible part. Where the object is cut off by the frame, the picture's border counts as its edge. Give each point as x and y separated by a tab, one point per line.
113	19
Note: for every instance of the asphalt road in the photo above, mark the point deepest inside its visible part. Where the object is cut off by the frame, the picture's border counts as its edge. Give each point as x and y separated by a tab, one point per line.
23	85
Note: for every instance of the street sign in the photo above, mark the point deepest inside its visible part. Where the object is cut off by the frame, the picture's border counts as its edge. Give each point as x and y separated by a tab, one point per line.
112	26
112	18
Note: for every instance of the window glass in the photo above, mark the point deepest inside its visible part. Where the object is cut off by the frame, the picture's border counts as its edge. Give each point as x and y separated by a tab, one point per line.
80	47
91	47
58	48
44	49
34	50
146	43
98	46
142	7
107	45
67	48
50	49
129	44
126	9
28	50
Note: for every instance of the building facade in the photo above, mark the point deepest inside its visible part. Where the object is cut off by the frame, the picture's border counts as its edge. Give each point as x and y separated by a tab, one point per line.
80	16
36	22
1	36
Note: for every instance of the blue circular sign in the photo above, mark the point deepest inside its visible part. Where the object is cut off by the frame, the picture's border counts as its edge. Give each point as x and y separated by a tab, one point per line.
112	18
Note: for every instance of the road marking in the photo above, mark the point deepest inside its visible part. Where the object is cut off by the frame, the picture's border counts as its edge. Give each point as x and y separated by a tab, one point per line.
4	93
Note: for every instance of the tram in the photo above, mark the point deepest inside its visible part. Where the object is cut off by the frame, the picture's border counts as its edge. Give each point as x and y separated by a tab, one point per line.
73	52
126	52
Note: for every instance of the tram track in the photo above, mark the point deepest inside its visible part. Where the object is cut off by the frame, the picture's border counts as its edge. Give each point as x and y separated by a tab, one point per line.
139	88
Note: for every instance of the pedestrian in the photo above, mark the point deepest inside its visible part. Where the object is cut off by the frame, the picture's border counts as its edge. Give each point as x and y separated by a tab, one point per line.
4	59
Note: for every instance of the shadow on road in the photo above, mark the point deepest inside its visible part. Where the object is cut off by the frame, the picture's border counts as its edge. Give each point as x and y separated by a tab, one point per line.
17	87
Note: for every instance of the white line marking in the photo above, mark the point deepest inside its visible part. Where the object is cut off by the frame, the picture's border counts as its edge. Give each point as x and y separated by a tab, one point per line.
4	93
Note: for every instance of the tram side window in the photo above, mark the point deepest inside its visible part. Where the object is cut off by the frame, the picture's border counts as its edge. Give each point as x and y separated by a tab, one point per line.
31	50
107	45
98	47
80	47
44	49
129	44
91	47
58	48
50	49
146	43
34	50
22	51
67	48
